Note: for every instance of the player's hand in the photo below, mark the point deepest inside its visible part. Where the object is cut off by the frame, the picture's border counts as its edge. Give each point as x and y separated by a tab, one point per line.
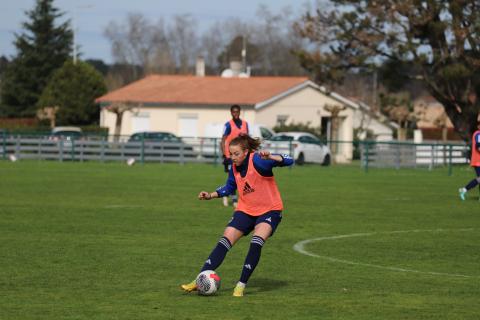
203	195
265	154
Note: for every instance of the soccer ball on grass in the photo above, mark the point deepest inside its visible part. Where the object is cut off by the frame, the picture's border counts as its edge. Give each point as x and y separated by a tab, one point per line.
208	282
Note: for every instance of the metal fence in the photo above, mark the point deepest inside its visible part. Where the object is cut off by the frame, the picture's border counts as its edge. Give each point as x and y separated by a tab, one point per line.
99	148
372	154
398	155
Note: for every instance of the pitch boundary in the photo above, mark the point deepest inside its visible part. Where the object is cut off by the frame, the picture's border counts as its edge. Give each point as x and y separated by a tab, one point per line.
300	248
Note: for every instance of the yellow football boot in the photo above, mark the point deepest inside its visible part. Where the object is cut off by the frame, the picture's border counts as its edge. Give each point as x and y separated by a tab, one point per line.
238	291
189	287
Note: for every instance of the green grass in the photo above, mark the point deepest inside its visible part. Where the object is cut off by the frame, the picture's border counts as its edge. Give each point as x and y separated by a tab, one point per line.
107	241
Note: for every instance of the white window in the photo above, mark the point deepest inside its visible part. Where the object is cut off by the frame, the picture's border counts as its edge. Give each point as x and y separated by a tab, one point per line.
141	122
188	125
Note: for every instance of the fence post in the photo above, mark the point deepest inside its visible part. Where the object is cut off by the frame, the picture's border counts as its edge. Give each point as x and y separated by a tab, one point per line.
182	155
102	154
142	153
4	143
17	147
450	160
366	155
72	150
215	155
432	163
61	150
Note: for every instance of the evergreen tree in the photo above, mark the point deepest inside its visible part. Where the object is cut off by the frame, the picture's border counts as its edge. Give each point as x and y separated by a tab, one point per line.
72	91
42	48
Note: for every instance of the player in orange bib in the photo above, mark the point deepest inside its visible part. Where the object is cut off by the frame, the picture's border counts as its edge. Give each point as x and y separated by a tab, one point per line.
259	207
232	129
474	162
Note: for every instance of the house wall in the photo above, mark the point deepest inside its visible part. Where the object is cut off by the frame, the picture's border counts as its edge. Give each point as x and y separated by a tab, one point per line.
169	119
307	105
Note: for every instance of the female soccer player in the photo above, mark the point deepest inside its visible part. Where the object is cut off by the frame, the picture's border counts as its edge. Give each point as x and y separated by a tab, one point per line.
474	162
259	208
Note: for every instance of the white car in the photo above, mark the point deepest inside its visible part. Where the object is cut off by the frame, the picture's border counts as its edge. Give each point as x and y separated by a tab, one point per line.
303	146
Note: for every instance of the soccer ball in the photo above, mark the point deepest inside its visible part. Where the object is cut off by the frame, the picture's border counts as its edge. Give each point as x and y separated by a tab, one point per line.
208	282
131	161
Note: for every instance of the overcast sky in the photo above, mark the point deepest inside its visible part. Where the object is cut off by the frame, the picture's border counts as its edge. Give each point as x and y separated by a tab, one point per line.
92	17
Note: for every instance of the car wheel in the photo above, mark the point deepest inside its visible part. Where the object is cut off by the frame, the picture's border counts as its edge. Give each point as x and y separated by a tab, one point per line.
326	160
300	160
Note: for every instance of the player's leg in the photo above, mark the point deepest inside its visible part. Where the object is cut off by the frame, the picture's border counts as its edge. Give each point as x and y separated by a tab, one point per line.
472	184
265	227
477	171
239	225
227	162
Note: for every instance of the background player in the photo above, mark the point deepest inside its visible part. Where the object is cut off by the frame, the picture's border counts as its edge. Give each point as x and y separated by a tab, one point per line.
231	130
474	162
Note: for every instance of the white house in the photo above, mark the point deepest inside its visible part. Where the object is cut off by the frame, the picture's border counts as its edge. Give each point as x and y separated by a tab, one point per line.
186	105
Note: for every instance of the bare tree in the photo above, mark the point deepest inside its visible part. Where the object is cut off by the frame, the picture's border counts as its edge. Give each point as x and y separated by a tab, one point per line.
119	109
183	40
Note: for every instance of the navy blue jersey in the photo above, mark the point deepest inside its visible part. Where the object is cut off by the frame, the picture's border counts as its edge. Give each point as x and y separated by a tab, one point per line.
264	167
227	129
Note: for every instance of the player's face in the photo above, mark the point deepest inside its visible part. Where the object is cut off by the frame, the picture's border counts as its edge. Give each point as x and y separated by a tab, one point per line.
237	154
235	113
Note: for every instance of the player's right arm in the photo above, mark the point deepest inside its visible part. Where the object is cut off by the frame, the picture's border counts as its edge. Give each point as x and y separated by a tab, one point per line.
223	191
204	195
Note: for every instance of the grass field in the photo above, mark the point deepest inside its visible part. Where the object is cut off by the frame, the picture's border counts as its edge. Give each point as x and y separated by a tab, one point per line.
107	241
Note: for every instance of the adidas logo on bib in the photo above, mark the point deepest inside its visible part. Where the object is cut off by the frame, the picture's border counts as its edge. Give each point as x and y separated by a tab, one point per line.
247	189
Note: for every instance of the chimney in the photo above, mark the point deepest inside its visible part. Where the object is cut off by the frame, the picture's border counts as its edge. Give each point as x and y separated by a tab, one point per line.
200	67
236	67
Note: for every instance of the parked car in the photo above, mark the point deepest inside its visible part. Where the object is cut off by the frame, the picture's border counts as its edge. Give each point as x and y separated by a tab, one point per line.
305	147
66	134
160	140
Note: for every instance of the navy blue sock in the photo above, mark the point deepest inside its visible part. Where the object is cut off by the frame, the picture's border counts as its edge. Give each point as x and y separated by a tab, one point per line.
218	254
252	259
472	184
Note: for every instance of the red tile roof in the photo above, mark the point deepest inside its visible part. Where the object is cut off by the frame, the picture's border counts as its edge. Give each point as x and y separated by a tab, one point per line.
179	89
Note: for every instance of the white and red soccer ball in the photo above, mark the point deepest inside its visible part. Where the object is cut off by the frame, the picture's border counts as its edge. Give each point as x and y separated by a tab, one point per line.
208	282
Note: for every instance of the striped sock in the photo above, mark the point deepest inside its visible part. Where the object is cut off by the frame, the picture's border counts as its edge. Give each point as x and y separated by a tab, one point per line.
252	259
218	254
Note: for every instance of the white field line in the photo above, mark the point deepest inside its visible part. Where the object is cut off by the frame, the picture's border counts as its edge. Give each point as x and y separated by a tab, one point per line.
300	248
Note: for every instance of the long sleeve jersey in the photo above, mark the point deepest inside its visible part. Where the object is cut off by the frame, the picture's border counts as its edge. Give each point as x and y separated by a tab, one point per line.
263	166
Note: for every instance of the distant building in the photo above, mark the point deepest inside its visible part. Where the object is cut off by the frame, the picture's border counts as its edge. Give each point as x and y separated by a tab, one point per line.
186	105
434	120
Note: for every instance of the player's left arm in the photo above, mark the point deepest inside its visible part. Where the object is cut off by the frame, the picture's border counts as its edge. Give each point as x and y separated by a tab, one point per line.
276	160
477	141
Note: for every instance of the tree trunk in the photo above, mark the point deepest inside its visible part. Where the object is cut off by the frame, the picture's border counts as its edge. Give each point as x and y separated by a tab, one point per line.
402	134
118	126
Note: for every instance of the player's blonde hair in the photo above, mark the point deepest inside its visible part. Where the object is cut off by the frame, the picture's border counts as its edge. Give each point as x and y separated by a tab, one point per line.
246	142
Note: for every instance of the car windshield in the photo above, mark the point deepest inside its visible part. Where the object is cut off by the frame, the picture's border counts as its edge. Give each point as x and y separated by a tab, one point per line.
282	138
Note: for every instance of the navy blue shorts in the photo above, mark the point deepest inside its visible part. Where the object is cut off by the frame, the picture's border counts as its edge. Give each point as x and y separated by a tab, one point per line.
246	223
